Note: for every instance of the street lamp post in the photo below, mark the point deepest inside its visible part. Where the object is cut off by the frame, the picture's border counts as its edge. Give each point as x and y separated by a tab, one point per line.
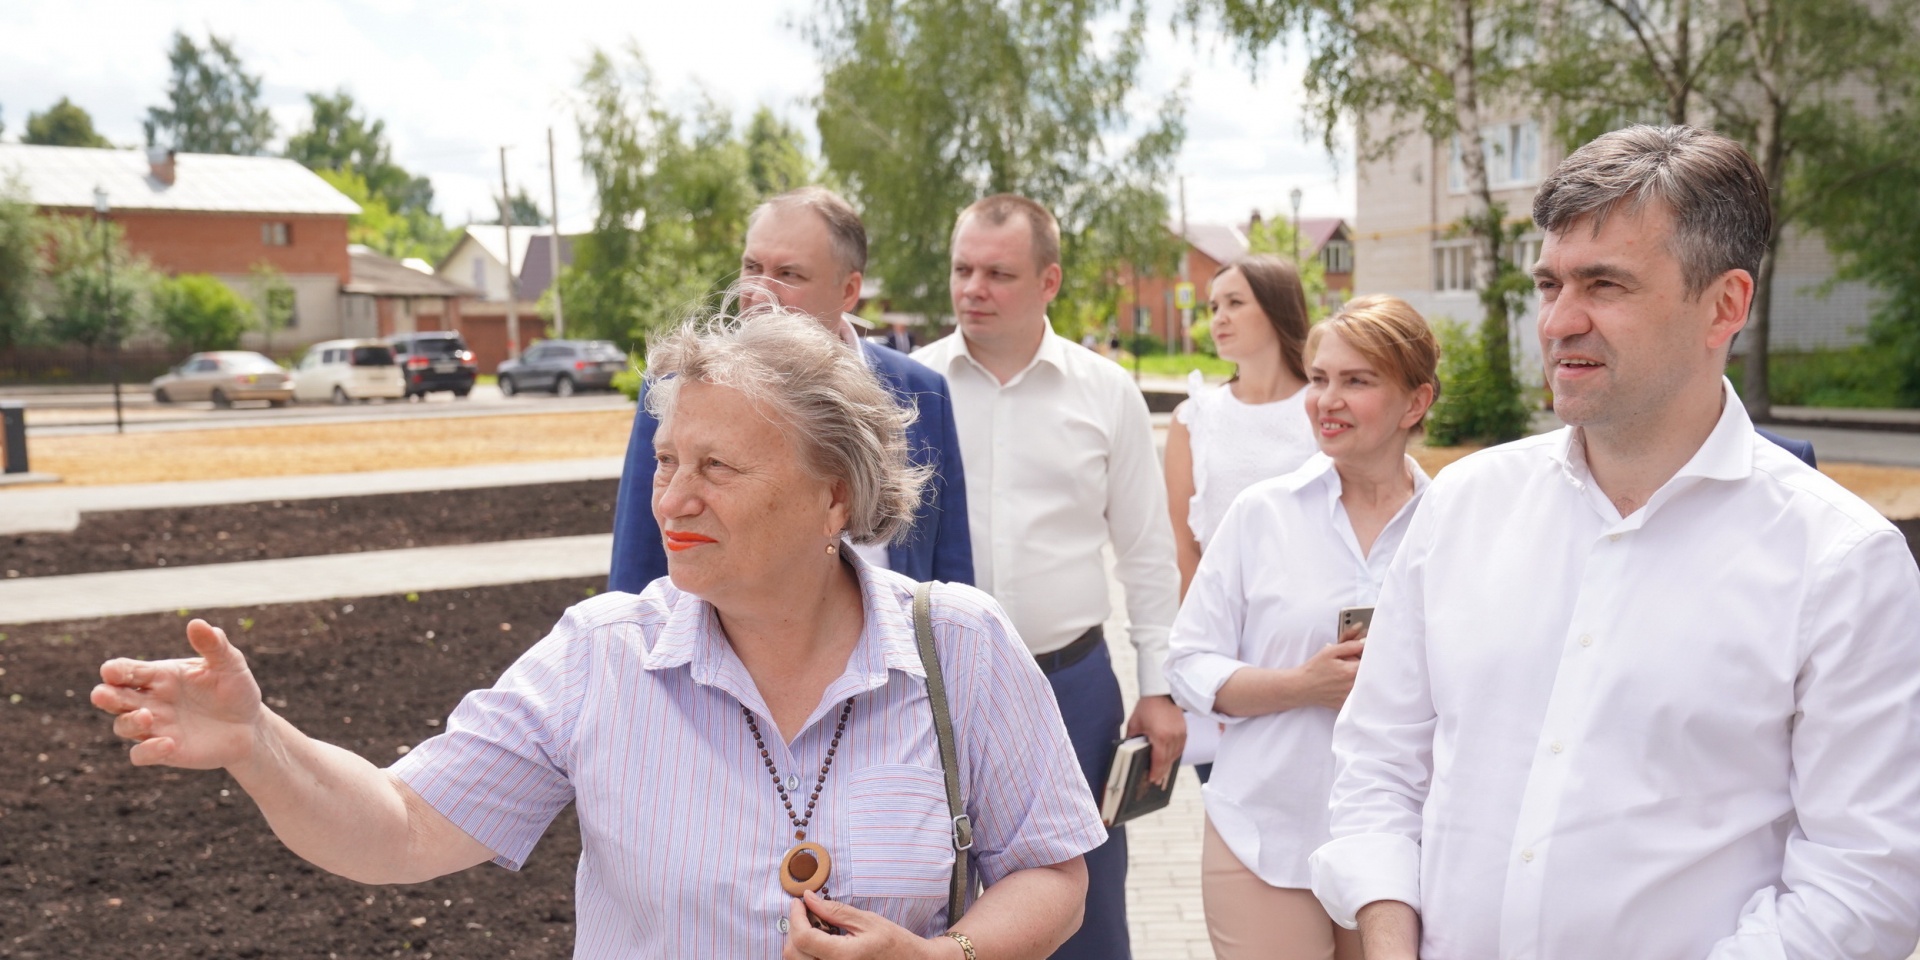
1294	195
100	209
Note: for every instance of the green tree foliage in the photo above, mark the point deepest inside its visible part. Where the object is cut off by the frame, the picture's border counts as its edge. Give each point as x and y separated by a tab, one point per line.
273	302
1869	209
197	312
1787	78
1390	68
674	192
928	105
63	125
338	136
20	249
777	159
80	307
415	233
1474	404
213	104
526	210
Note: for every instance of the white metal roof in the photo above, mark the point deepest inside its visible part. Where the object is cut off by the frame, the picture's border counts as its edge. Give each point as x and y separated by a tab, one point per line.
203	182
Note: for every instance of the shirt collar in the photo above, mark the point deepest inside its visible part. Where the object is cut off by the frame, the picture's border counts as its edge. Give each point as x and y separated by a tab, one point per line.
1053	352
1726	454
691	635
1319	468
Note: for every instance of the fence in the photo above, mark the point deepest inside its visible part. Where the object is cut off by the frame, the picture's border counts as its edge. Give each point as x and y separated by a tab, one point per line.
74	364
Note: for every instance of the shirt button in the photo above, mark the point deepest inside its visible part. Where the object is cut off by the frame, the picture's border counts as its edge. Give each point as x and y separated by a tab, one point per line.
1526	855
1586	640
1557	747
1613	537
783	924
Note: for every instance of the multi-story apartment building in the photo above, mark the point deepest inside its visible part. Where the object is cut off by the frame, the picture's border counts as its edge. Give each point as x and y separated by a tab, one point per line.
1406	244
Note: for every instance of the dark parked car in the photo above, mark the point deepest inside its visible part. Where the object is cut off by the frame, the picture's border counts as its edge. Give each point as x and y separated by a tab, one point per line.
434	360
562	367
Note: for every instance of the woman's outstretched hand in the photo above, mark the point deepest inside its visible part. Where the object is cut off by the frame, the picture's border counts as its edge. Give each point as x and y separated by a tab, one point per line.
201	714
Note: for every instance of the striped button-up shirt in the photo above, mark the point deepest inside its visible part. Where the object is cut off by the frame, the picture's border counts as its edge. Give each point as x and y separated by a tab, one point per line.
631	708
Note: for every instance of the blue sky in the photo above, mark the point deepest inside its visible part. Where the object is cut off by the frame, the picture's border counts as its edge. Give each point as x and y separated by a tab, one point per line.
454	81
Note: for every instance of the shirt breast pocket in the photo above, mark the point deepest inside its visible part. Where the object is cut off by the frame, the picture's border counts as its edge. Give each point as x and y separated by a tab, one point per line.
899	835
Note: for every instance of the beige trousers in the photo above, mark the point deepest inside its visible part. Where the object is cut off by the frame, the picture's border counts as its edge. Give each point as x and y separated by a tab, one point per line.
1249	919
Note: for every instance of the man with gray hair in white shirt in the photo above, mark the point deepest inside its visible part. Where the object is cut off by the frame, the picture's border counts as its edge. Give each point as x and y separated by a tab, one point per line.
1646	686
1059	460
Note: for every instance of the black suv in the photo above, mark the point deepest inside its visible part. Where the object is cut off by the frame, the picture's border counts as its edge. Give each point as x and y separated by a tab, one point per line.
434	360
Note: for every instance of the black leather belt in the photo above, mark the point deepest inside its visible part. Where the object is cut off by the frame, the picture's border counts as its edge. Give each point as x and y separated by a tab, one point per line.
1058	660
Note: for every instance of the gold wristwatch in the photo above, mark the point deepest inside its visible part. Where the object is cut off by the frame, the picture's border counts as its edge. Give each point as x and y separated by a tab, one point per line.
966	946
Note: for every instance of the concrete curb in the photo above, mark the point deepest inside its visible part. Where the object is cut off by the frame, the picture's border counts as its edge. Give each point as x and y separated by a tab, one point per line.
301	579
58	510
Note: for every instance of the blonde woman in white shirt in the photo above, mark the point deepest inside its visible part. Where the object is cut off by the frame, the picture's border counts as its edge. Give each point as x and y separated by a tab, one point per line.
1257	646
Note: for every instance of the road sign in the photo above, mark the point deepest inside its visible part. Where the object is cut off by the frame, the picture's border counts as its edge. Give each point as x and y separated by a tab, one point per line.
1183	296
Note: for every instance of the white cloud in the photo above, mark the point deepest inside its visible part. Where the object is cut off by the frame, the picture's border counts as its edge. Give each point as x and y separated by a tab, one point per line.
454	82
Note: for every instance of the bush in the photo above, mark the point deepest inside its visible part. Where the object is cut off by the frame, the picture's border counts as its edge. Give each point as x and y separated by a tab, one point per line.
198	312
1860	377
1473	405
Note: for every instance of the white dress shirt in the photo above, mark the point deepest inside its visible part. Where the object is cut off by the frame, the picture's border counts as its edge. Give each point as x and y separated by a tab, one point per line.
1059	462
1690	732
1268	594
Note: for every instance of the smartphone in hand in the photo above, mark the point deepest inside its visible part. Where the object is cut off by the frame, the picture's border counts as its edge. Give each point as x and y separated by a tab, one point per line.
1351	617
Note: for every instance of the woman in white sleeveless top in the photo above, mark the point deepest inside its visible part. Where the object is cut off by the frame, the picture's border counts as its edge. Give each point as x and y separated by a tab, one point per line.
1226	438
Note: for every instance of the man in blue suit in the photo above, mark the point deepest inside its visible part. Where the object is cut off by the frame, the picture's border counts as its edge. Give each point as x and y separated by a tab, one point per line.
807	247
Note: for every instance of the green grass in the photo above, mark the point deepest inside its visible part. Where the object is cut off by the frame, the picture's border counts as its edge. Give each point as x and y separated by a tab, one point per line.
1176	365
486	380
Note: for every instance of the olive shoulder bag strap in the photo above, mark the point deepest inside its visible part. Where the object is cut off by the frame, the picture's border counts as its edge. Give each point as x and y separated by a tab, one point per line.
958	889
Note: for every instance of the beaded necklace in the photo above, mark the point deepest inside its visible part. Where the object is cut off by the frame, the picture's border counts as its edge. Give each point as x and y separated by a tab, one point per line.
806	864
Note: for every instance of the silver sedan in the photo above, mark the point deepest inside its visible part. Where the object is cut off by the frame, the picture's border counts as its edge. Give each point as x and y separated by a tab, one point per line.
224	376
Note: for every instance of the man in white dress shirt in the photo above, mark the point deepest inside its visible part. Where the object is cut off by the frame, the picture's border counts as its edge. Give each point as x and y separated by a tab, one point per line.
1645	687
1059	461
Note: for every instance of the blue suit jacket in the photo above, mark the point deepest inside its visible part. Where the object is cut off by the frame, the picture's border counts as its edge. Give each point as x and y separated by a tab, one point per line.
1799	448
937	548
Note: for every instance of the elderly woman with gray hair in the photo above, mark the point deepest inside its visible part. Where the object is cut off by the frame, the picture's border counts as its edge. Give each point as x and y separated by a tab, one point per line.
751	741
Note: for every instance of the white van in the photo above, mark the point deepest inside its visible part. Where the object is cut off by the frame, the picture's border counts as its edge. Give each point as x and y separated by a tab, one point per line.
344	370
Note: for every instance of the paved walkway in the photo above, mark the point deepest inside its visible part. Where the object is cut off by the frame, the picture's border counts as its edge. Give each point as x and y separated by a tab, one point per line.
301	579
58	509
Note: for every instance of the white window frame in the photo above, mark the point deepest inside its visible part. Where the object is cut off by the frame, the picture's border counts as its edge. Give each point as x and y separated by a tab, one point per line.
1512	153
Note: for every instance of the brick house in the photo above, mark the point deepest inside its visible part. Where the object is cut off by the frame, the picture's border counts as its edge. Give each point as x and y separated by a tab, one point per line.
1149	298
213	214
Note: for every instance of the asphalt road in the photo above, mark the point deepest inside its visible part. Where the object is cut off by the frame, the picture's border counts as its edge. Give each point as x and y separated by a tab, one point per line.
70	414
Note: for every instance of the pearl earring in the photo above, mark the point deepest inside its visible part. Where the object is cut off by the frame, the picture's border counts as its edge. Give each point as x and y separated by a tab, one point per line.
832	549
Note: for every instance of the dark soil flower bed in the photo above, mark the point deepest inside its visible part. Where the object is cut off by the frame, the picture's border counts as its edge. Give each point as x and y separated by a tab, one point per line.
102	859
142	539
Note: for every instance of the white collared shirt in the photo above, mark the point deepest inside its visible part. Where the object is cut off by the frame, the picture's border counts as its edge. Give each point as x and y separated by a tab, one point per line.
1268	594
1059	462
1690	732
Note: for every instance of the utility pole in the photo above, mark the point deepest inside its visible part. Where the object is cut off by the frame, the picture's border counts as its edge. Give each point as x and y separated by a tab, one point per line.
1186	312
513	289
553	246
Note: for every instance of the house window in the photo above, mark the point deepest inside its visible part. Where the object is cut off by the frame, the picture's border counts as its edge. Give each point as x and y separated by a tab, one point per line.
1453	266
1337	256
277	233
1512	152
480	276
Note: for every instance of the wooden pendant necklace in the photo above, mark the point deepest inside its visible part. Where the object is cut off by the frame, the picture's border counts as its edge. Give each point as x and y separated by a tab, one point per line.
806	864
